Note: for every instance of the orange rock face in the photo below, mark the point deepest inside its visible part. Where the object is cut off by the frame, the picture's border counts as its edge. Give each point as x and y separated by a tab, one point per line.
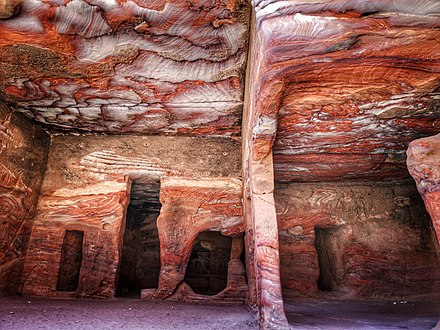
86	194
424	166
98	212
23	153
342	87
136	66
357	240
337	91
189	207
145	98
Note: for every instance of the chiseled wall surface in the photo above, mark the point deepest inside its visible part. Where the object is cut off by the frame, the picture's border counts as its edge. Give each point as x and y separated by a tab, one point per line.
87	188
374	241
23	154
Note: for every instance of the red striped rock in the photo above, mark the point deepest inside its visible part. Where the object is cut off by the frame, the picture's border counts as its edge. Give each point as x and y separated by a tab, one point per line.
23	152
127	66
344	86
189	207
355	241
99	212
87	189
424	166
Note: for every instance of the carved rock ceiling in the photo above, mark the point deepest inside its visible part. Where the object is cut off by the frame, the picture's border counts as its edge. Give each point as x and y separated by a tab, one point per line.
118	66
348	83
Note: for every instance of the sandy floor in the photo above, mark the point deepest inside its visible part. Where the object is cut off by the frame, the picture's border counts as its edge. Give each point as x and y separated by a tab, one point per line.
363	315
18	313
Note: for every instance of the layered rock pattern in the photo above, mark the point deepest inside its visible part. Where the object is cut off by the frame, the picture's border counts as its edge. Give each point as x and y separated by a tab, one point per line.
191	206
87	189
98	211
348	241
424	166
337	89
127	66
344	86
23	153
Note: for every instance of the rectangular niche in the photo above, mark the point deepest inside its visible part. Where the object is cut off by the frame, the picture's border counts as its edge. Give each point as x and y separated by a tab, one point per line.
71	258
139	266
326	249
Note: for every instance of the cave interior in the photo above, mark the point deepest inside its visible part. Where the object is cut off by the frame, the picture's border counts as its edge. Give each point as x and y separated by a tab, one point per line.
228	152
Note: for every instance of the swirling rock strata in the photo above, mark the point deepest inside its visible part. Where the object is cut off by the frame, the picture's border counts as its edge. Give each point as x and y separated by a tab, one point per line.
357	240
99	212
127	66
87	188
344	86
189	207
23	152
424	166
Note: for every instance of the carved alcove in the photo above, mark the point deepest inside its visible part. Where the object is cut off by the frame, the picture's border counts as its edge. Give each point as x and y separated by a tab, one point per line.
140	261
71	260
207	270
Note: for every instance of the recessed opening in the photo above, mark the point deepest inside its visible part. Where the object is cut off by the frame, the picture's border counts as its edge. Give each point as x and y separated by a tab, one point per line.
207	271
327	280
140	262
71	258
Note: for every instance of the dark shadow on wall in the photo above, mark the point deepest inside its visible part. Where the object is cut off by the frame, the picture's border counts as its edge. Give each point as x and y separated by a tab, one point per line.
140	263
327	280
207	271
71	259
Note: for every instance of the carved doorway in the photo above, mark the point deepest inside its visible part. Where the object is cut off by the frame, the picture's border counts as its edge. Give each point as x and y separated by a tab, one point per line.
140	263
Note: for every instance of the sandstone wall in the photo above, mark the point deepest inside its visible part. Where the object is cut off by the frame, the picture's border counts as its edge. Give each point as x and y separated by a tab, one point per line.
368	240
424	166
23	153
87	189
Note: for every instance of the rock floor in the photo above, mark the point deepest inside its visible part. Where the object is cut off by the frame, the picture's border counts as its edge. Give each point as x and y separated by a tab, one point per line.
363	315
18	313
32	313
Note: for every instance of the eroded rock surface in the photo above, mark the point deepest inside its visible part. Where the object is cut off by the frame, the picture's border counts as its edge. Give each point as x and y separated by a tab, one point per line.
348	241
23	156
127	66
98	212
342	87
191	206
87	188
424	166
336	90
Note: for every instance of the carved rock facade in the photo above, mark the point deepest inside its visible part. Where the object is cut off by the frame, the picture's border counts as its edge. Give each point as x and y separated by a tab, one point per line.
144	164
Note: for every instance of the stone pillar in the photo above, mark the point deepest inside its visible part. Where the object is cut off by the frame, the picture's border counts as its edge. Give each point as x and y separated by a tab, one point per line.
259	130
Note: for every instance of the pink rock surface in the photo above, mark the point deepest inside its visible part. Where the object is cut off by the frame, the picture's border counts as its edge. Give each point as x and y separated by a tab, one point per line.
127	66
99	212
191	206
424	166
355	241
23	152
342	87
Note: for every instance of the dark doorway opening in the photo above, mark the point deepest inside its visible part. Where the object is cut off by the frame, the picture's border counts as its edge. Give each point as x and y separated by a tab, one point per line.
140	262
207	271
71	259
324	245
